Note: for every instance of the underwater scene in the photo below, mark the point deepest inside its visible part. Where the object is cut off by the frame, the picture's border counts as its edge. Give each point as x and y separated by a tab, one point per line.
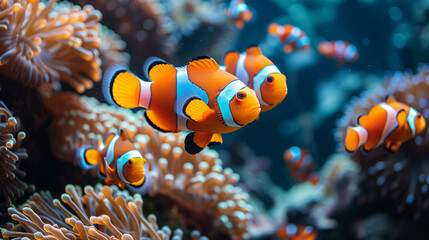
214	119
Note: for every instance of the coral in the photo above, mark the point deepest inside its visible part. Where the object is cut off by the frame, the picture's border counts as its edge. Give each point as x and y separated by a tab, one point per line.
142	24
41	45
111	49
102	212
10	155
404	175
197	183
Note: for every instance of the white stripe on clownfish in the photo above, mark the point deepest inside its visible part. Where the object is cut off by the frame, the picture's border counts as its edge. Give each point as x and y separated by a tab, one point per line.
110	153
411	119
240	71
186	90
223	99
391	121
260	78
145	94
122	160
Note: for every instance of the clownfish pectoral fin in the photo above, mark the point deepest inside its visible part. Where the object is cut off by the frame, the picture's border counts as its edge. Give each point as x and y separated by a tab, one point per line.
195	142
215	140
197	110
121	185
121	87
89	157
155	68
230	59
253	50
202	63
401	117
108	138
362	120
155	122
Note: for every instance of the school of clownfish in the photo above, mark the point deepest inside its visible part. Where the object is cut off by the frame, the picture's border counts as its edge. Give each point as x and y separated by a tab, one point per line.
208	100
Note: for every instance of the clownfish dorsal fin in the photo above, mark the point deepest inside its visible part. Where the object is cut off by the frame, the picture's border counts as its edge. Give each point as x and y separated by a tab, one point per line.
231	59
389	99
362	120
155	68
155	121
253	50
122	134
195	142
202	63
197	110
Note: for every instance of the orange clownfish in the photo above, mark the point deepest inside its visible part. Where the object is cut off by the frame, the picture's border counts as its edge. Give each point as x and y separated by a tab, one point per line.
239	13
291	36
340	50
260	74
199	97
294	232
390	123
301	165
120	162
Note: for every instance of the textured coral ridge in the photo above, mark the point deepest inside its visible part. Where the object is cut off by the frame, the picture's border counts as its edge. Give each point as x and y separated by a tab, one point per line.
196	182
403	175
101	213
10	153
41	44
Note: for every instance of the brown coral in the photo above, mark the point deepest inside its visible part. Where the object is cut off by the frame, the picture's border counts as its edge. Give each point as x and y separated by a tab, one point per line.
142	24
404	175
197	183
10	154
101	213
41	44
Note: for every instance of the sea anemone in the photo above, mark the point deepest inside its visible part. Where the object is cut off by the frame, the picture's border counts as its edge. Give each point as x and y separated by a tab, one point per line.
111	49
10	155
101	213
198	183
41	44
404	175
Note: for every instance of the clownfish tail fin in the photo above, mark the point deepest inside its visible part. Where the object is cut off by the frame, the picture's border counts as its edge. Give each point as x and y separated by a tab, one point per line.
122	88
88	157
355	137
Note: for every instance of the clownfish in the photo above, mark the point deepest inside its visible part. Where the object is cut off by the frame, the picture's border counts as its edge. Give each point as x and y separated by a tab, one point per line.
294	232
340	50
389	123
301	165
120	162
199	97
291	36
258	73
239	13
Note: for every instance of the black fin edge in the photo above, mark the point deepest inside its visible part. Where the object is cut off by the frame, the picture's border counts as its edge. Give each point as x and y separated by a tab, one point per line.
153	125
199	58
190	146
211	144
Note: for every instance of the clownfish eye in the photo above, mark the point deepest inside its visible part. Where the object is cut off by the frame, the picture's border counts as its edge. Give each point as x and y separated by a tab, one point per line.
130	162
270	79
241	95
419	116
